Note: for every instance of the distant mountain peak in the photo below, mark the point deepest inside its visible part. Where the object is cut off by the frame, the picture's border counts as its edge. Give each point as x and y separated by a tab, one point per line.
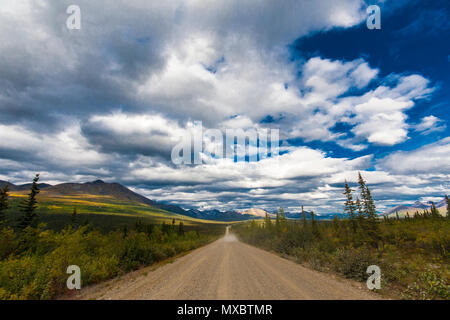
416	205
97	182
419	205
254	212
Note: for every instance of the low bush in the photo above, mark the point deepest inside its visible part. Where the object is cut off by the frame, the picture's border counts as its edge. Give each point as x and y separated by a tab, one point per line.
413	254
34	262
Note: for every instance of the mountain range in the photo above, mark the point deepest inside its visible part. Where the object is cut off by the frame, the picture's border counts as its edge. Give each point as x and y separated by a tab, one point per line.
417	206
120	192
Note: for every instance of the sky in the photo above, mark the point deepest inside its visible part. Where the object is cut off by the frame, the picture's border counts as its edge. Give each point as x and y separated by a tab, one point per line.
111	100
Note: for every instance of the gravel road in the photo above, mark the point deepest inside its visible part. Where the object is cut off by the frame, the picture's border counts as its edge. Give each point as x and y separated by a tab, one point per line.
228	269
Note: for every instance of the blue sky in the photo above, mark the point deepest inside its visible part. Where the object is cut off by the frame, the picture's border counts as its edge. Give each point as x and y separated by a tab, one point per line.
412	40
112	100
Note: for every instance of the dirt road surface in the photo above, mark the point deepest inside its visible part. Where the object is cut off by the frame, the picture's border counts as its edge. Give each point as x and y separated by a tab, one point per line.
228	269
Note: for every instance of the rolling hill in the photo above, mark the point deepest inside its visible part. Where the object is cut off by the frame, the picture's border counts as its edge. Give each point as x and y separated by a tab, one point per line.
99	197
99	188
22	187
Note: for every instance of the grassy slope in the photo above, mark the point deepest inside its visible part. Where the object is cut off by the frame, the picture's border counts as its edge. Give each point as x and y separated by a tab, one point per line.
104	212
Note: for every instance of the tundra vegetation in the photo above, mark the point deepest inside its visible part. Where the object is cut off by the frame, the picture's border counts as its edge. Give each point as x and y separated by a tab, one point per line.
34	258
413	252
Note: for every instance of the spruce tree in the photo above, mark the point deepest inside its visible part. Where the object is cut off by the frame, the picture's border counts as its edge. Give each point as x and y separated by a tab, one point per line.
359	207
363	192
372	210
349	206
181	228
448	206
73	218
371	227
28	207
304	219
3	203
277	222
434	211
282	214
267	222
282	218
315	229
360	212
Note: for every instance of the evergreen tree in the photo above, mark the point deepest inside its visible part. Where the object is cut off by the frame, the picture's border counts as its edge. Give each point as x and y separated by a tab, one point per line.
282	214
434	211
138	225
304	218
277	222
165	228
28	207
360	212
282	218
369	209
349	206
124	231
74	218
372	210
448	206
363	192
315	229
3	202
181	228
359	207
267	222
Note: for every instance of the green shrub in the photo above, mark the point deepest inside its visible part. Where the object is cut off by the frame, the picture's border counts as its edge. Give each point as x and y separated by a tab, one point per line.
353	263
34	262
431	284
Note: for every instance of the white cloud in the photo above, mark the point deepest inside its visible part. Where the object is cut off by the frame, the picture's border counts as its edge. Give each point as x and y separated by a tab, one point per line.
66	149
430	124
432	158
381	121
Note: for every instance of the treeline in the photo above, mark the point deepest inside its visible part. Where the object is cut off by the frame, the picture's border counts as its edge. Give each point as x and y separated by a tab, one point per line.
413	253
34	260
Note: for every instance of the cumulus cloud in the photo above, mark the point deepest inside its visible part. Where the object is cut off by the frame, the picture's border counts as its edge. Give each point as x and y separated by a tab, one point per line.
133	134
67	149
430	124
432	158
